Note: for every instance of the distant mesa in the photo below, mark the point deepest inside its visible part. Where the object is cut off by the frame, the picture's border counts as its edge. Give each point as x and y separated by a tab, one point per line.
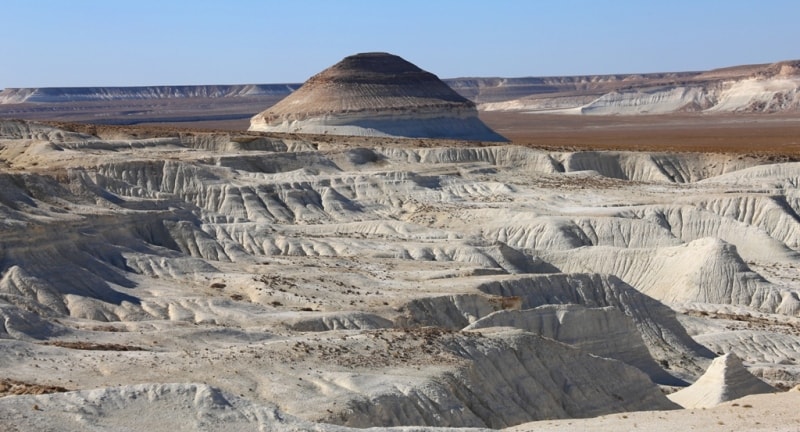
376	94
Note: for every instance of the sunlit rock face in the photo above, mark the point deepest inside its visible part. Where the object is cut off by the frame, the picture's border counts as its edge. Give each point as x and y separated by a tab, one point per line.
376	94
765	88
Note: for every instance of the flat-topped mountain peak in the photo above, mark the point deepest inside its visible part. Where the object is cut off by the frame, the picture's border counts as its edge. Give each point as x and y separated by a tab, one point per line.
369	81
374	67
377	94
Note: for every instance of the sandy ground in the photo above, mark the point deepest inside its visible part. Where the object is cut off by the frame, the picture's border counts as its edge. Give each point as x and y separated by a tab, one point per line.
752	413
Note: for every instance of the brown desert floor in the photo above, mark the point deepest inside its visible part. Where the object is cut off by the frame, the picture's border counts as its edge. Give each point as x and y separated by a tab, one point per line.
746	133
764	134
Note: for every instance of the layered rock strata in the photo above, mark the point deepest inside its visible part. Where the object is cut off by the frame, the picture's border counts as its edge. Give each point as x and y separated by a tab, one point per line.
376	94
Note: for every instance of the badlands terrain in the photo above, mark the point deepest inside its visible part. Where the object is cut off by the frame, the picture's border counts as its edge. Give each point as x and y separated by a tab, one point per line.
244	280
596	272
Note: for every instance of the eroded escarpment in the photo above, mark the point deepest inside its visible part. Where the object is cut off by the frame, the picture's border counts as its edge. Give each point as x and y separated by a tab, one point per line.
763	88
388	285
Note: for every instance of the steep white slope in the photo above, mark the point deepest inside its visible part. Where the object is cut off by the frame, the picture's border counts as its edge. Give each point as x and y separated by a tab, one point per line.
505	156
771	176
742	94
771	213
650	167
505	381
16	129
755	346
726	379
690	222
362	379
95	259
20	324
606	332
650	101
770	351
760	95
665	338
561	233
654	167
648	226
705	270
168	407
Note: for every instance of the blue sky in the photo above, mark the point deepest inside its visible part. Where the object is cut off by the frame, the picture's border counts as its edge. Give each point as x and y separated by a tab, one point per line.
146	42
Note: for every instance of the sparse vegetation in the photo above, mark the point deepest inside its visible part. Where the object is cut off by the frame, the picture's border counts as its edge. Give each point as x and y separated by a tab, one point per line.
92	346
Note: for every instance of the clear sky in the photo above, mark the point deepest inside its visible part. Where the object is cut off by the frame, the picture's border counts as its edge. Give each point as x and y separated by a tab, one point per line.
60	43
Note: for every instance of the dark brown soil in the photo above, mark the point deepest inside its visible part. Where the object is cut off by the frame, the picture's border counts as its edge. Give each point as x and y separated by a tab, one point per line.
9	387
93	346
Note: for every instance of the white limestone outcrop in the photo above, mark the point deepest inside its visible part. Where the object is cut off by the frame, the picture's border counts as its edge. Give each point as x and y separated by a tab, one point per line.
726	379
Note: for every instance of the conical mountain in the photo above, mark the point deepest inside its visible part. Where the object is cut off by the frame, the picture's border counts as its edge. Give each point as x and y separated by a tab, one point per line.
725	380
376	94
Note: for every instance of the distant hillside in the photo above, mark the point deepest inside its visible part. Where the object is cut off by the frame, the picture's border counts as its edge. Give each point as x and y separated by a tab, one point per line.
488	90
83	94
765	88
